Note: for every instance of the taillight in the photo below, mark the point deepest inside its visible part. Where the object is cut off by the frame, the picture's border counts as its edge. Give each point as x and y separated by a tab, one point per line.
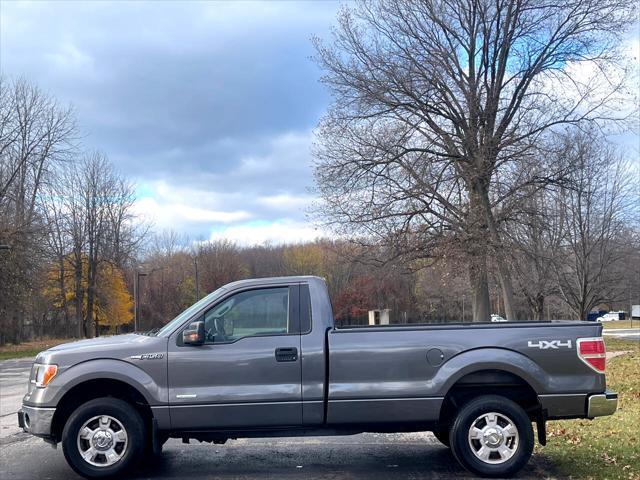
592	352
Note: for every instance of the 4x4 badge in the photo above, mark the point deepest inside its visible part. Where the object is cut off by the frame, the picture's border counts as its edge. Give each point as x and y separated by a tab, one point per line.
546	344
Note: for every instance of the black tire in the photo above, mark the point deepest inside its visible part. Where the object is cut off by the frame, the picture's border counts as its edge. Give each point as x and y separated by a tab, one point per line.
117	409
464	451
442	436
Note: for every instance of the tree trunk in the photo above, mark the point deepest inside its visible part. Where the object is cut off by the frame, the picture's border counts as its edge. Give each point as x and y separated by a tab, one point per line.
506	285
79	296
63	292
537	307
91	286
480	285
504	276
479	249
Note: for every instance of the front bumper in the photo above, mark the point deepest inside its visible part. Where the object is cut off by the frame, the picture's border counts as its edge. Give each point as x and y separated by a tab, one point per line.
36	420
602	404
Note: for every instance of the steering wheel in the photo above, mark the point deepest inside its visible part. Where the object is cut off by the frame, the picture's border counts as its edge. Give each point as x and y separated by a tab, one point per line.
217	330
209	335
220	332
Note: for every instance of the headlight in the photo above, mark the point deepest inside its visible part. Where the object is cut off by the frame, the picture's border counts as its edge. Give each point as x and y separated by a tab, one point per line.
42	374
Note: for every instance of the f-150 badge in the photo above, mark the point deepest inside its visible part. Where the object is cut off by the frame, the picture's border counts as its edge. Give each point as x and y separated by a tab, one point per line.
547	344
147	356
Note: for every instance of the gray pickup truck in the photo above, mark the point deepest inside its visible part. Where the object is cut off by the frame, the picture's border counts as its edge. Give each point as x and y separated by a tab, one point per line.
262	357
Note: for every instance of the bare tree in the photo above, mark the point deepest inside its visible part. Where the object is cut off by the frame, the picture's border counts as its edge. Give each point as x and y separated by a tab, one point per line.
36	135
436	101
90	214
597	204
534	242
218	262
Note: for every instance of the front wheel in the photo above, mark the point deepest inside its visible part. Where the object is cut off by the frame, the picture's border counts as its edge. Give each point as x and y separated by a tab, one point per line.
103	438
492	436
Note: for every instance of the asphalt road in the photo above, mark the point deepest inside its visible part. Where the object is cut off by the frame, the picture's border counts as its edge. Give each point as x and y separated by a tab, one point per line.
366	456
14	377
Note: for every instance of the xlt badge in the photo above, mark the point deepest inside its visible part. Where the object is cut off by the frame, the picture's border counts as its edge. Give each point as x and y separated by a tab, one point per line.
147	356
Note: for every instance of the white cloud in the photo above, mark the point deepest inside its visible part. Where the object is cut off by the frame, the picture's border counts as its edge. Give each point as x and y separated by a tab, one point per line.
286	201
258	233
184	209
603	89
69	56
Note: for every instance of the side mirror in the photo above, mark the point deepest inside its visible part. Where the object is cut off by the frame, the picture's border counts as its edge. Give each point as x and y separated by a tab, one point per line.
194	335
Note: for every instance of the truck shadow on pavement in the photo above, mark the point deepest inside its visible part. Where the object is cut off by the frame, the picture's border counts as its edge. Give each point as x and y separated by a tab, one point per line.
319	459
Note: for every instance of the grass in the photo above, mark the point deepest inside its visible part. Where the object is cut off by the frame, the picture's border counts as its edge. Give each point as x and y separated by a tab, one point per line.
606	447
30	349
617	344
621	324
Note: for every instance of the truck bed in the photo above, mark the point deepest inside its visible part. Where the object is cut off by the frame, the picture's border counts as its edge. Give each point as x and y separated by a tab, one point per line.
388	371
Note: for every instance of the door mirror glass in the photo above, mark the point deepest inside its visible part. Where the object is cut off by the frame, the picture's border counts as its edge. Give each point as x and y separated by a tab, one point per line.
194	335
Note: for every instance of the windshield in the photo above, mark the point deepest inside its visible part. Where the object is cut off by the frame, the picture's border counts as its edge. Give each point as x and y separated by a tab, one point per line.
188	312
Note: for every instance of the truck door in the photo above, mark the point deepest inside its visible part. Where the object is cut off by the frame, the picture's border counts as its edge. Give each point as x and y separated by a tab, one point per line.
248	372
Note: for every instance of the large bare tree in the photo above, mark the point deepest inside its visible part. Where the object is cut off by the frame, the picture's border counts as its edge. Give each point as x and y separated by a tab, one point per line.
436	103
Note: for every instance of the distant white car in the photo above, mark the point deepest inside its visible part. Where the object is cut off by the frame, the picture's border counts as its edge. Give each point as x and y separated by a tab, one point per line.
497	318
609	317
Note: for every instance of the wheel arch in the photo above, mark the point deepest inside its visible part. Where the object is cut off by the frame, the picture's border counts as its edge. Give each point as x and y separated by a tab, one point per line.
90	389
491	371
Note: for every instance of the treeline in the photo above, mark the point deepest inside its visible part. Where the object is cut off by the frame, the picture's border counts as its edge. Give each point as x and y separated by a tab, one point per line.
563	265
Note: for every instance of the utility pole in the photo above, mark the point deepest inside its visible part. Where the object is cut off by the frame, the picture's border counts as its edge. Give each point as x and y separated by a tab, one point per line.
195	264
463	296
136	300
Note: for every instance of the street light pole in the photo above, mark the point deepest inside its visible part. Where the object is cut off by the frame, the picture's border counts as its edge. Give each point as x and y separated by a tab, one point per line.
135	301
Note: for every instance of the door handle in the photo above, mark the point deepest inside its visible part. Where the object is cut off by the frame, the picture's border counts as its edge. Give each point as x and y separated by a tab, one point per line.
286	354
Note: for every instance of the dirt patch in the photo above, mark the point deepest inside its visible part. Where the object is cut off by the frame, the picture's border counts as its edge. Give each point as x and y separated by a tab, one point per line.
615	354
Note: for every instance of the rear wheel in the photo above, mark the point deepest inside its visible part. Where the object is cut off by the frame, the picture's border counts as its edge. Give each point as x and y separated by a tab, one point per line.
492	436
103	438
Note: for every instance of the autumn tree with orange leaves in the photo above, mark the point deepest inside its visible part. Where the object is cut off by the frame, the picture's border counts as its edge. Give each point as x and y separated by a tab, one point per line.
113	306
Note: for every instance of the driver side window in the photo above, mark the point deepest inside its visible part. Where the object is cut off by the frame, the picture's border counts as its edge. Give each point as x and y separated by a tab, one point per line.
250	313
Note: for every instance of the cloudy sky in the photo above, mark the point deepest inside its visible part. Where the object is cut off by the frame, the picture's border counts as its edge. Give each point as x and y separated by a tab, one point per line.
208	106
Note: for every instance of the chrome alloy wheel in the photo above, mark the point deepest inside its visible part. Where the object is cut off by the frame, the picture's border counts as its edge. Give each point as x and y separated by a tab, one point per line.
493	438
102	441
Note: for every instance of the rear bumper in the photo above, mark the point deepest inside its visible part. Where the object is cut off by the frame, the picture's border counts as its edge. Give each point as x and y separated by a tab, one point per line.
563	406
602	404
36	420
